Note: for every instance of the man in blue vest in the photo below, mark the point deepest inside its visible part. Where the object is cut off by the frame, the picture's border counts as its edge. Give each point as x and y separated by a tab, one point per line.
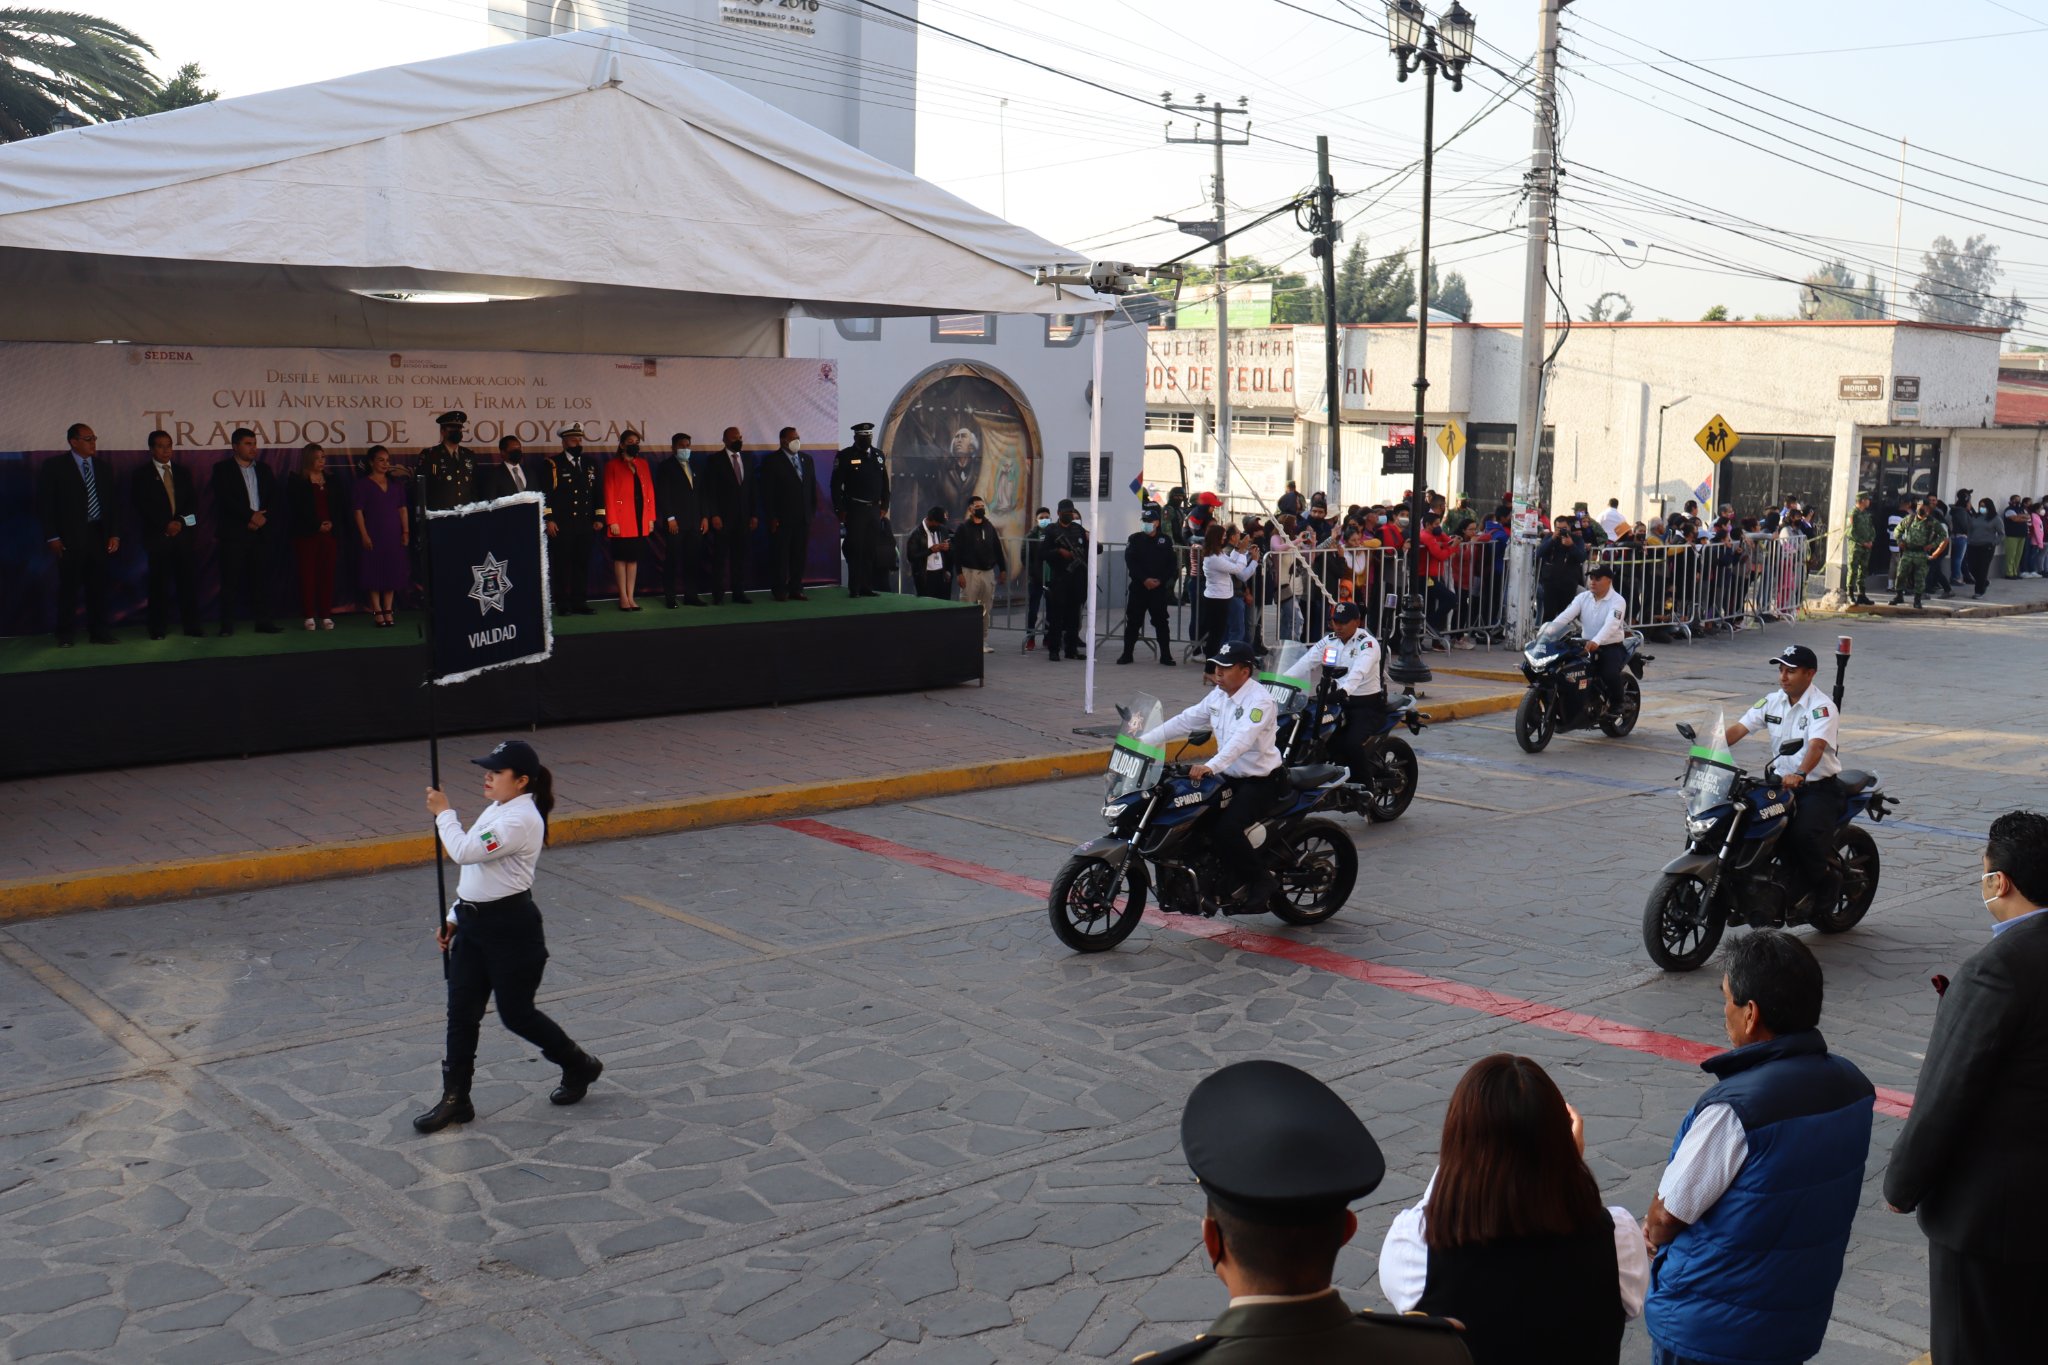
1752	1215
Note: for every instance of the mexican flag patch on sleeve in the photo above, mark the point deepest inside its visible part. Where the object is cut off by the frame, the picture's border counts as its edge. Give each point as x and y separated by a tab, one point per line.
490	839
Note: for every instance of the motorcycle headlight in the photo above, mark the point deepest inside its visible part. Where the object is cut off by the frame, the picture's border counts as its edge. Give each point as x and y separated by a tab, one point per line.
1697	825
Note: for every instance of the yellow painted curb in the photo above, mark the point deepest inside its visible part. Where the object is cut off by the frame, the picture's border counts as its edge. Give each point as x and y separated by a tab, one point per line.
1484	674
107	887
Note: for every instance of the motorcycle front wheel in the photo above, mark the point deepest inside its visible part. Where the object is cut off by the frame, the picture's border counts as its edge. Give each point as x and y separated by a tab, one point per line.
1315	885
1631	707
1093	906
1391	776
1680	930
1859	881
1533	722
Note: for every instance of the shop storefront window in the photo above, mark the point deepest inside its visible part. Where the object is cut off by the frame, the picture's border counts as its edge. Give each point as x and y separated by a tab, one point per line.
1899	467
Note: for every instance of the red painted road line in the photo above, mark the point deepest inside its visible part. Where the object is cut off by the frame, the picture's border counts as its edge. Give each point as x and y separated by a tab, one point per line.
1591	1027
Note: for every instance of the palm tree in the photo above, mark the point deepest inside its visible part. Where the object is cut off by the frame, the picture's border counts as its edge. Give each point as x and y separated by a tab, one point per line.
59	69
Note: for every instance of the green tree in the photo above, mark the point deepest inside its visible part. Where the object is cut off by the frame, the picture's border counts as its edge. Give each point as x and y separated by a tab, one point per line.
1841	298
1351	283
1450	295
1718	313
183	90
59	69
1956	282
1621	310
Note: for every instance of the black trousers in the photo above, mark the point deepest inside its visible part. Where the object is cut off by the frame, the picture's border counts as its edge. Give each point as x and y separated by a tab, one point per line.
245	570
499	950
1608	662
729	558
1150	602
682	558
789	545
1250	798
84	568
569	568
1983	1311
1064	595
1213	616
1810	839
1363	717
863	524
173	568
1977	559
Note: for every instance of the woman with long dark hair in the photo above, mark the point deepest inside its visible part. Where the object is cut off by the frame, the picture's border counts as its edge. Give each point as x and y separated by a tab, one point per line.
492	936
1511	1230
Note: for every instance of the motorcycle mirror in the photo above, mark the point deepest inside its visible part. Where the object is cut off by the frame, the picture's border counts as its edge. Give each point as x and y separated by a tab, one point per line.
1687	731
1791	747
1199	737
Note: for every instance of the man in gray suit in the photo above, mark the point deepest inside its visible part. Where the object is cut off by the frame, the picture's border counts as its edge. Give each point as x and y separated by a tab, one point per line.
1969	1159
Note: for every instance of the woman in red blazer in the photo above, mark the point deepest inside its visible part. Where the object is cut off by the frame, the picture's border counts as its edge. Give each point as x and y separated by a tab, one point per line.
628	513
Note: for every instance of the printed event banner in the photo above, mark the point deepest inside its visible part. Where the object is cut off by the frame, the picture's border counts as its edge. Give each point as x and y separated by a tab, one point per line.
489	589
348	401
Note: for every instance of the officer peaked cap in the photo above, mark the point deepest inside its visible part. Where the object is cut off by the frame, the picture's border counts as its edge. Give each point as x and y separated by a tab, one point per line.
1273	1145
457	418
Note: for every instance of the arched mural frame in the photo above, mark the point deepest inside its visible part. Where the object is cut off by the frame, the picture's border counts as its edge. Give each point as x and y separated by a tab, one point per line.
932	375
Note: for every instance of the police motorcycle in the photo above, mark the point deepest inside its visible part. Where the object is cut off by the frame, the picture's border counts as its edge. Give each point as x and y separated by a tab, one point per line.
1731	873
1564	688
1310	715
1156	817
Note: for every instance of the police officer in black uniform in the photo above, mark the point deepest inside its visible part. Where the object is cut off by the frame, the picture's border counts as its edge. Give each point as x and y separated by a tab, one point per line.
1065	545
1153	561
1280	1157
448	470
574	514
860	499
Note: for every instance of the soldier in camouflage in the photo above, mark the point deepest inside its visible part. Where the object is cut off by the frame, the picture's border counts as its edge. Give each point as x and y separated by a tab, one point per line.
1862	534
1921	540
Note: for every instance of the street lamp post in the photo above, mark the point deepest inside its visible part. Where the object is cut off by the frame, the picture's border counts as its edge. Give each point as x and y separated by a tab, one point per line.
1445	48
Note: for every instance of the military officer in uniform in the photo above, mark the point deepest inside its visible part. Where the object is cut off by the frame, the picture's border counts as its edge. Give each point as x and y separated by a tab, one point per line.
1862	533
448	470
574	515
1921	539
860	499
1280	1156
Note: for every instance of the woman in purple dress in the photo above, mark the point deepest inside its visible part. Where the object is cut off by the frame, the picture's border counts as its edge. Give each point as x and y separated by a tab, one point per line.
385	532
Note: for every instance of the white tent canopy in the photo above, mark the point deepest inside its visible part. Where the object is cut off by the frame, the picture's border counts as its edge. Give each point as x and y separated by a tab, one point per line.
611	197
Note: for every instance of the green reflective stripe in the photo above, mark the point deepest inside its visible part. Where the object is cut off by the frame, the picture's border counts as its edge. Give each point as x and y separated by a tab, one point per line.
1720	758
1140	747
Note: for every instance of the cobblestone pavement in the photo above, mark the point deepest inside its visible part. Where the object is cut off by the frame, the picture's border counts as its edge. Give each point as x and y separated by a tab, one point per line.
863	1107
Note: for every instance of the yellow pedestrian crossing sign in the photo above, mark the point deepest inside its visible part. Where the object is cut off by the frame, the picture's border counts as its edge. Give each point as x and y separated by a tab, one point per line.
1450	441
1717	439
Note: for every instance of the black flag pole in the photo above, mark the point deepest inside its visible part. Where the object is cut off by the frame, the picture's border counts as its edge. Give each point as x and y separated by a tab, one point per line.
1841	667
434	739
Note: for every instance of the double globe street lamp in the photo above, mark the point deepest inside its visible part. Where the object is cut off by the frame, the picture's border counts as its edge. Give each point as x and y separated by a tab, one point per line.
1443	47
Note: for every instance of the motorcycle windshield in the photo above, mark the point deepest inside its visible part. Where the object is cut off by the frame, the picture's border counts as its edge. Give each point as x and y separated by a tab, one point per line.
1133	764
1290	677
1549	643
1709	782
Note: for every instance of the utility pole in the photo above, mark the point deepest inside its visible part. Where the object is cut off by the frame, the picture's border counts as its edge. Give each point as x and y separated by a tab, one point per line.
1328	230
1215	138
1542	181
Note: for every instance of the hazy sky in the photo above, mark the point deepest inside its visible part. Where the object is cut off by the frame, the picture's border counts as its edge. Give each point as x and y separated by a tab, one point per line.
1090	169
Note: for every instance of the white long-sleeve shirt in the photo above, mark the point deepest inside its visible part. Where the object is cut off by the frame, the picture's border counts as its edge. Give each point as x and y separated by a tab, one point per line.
1404	1257
1602	620
497	854
1220	568
1244	723
1360	660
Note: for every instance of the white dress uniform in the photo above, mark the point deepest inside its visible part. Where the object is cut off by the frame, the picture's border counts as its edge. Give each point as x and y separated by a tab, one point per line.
498	854
1602	620
1360	660
1245	724
1811	717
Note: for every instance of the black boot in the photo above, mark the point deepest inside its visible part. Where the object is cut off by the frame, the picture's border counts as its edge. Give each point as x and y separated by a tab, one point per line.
579	1069
1897	598
1863	601
1123	658
1919	603
454	1106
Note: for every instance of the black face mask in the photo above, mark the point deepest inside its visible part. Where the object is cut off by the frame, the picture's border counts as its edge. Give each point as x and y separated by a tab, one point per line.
629	450
978	514
733	446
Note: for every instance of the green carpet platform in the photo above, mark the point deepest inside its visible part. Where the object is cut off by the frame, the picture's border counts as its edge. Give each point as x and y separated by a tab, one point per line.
155	701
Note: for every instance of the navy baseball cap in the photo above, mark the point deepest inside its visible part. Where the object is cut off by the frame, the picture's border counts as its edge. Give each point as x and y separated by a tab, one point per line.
1150	512
515	754
1234	652
1347	611
1796	656
1599	571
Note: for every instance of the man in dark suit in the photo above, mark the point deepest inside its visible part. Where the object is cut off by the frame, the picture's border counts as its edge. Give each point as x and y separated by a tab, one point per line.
789	498
679	509
734	517
573	514
504	476
75	501
169	512
245	503
1969	1158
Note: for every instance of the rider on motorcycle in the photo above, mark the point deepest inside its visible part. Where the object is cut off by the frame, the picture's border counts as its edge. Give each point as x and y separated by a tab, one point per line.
1365	694
1243	717
1800	710
1602	614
